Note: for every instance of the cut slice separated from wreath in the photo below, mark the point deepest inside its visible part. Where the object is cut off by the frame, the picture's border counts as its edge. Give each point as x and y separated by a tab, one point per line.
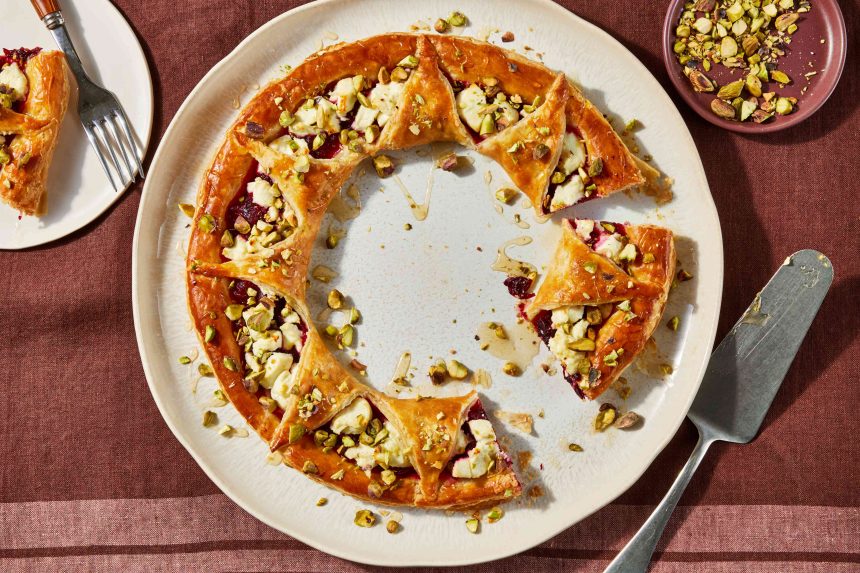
34	94
602	297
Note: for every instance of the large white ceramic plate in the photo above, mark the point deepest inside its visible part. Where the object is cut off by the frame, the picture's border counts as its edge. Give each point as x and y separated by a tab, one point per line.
78	190
426	290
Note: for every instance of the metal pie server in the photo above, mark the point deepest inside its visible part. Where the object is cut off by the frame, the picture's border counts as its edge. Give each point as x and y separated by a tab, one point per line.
742	378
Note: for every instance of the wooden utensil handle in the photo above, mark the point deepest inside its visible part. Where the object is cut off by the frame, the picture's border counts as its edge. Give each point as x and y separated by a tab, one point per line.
45	7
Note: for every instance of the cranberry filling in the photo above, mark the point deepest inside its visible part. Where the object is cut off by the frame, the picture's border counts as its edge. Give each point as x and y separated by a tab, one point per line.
238	291
243	203
19	56
519	287
328	149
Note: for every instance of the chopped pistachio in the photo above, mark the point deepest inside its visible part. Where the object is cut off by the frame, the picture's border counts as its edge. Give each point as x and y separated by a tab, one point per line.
310	468
723	108
338	475
457	19
364	518
448	162
332	240
399	74
673	323
488	125
540	151
473	525
783	106
747	108
371	134
184	360
210	418
383	77
590	267
628	420
286	119
780	77
648	258
731	89
409	61
582	345
210	333
574	447
346	335
506	194
204	369
753	85
605	417
441	26
383	165
511	369
187	209
230	364
226	430
495	514
596	167
322	501
457	370
297	431
388	477
206	223
666	369
438	372
392	526
335	299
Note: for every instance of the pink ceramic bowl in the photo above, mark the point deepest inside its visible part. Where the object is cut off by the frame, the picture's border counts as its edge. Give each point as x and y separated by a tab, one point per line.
823	22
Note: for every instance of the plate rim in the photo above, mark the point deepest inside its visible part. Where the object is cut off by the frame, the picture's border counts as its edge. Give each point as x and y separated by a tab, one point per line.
148	194
145	140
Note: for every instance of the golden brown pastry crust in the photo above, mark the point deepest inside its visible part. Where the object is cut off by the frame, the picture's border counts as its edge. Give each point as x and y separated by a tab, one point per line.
427	112
34	131
647	285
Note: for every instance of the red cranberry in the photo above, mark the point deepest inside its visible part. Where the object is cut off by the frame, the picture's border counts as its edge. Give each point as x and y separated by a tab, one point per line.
519	287
543	325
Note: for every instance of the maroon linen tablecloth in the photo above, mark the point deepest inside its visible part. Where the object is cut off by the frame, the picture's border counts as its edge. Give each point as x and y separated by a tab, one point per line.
92	479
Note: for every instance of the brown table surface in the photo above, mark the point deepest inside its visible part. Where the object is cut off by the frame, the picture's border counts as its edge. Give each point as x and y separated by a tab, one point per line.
92	479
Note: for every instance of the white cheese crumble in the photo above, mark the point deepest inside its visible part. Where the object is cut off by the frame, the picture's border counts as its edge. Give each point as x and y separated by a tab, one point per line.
470	102
262	192
386	99
13	78
609	246
584	227
276	365
568	193
572	154
353	419
394	450
281	388
483	454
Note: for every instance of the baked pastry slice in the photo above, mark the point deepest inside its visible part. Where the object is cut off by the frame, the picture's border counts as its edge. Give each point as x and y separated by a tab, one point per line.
491	81
276	370
602	298
34	94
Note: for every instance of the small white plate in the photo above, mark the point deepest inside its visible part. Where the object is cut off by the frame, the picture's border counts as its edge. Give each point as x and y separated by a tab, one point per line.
427	289
78	189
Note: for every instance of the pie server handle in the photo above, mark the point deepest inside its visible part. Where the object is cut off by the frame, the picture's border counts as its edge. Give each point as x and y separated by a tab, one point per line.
636	555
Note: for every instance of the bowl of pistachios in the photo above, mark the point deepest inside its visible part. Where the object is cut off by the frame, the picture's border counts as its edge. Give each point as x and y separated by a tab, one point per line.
754	66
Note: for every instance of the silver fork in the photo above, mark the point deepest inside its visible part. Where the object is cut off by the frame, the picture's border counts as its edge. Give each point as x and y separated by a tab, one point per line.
102	116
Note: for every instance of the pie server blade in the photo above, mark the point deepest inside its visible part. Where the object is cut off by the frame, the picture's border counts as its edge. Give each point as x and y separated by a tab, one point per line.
743	376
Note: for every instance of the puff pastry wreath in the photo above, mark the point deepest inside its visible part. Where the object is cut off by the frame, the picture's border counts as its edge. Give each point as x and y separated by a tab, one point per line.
34	94
259	210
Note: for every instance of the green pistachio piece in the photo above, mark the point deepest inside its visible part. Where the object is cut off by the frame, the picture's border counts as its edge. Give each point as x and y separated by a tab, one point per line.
230	364
354	316
441	26
731	90
297	432
335	299
747	108
473	525
210	333
673	323
780	77
364	518
204	369
784	106
310	468
457	370
511	369
383	165
184	360
234	311
457	19
210	418
409	61
206	223
583	345
506	195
